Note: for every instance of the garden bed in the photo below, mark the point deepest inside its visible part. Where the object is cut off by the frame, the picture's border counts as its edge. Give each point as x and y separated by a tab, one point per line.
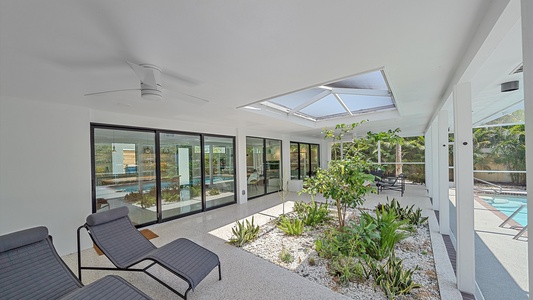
415	251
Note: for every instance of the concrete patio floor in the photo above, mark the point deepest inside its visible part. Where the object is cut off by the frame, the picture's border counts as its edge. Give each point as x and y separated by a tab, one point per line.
244	275
501	261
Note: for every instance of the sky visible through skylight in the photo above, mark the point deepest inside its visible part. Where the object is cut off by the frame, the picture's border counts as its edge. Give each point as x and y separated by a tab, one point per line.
363	93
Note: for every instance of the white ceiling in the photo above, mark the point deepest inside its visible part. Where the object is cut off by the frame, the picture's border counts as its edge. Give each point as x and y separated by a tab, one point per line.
238	52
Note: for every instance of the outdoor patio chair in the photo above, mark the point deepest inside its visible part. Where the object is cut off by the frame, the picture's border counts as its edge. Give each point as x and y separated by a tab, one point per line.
32	269
392	183
115	235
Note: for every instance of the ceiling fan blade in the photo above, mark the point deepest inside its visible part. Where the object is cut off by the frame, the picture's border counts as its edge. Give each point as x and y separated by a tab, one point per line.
189	98
147	74
180	77
113	91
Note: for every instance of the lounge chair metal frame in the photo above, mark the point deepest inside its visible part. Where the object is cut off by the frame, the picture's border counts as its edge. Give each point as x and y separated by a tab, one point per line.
154	261
32	269
396	184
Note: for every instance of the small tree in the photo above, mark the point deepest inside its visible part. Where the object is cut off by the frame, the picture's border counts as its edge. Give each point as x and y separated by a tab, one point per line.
347	180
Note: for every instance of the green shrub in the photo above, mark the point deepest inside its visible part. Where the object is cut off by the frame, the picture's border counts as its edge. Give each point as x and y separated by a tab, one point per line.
214	192
354	240
347	269
404	213
312	214
286	256
391	230
291	226
244	233
196	190
392	277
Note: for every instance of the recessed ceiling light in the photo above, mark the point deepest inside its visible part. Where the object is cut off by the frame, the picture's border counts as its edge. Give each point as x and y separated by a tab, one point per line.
325	87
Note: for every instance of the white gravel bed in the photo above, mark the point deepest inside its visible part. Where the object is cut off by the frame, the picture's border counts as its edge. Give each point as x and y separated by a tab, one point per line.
414	251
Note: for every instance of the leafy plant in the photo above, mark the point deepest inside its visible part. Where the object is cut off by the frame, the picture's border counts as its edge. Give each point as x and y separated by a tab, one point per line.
214	192
244	233
391	230
413	216
312	214
393	278
286	256
145	200
312	261
355	240
347	269
196	190
171	193
291	226
299	207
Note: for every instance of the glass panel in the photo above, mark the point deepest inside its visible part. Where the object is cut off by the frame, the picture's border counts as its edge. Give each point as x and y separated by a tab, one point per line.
335	151
124	165
294	161
304	161
219	170
315	160
295	99
500	148
181	191
359	102
388	155
254	167
413	149
273	164
329	105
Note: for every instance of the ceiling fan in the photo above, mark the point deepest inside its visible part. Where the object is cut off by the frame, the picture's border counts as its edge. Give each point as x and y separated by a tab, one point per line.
151	88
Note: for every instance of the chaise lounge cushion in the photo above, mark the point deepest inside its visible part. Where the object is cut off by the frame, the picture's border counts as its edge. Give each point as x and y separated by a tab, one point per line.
107	216
22	238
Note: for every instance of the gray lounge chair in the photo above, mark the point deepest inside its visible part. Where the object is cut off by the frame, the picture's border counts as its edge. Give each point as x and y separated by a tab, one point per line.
32	269
115	235
392	183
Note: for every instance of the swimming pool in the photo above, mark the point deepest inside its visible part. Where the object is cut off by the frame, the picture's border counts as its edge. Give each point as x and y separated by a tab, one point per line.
509	204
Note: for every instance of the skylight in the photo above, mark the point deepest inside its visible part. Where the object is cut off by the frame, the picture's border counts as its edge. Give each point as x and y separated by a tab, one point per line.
347	98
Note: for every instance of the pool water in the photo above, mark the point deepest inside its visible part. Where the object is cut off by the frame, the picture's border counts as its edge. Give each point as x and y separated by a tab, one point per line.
508	205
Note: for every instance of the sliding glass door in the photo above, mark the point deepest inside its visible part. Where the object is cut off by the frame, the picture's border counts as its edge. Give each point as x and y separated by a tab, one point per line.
305	160
219	170
263	166
181	189
273	166
160	175
125	172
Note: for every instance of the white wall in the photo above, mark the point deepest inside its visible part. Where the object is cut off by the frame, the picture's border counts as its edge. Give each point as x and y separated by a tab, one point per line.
45	163
45	171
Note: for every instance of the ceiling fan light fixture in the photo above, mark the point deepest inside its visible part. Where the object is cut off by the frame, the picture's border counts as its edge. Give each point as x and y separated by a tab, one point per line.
151	94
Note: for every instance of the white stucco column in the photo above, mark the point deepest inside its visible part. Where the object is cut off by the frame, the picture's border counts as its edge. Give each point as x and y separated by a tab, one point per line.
464	187
443	178
428	161
240	172
435	163
527	56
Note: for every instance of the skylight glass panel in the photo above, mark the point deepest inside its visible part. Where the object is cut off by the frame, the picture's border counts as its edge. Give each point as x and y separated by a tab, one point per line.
372	80
325	107
292	100
363	93
358	102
